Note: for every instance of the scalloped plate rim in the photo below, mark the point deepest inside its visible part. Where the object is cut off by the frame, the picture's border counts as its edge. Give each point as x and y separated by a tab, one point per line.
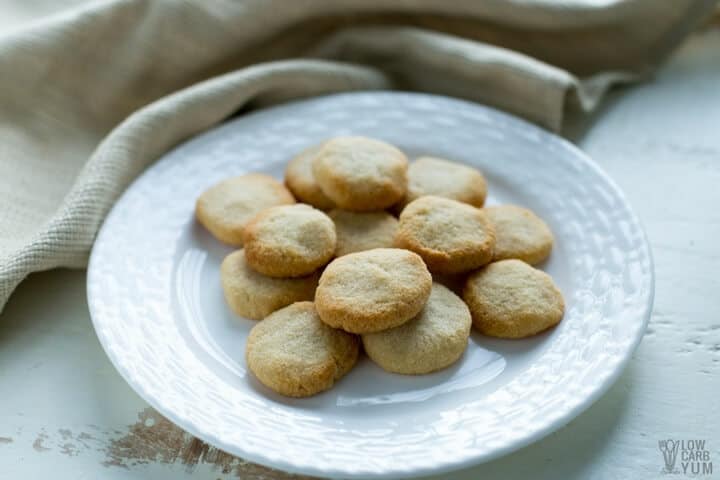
292	467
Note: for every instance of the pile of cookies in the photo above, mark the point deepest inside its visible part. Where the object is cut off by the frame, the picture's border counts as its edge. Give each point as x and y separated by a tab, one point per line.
340	269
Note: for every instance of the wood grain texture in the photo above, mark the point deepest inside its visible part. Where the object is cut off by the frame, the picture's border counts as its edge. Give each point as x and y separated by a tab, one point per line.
67	414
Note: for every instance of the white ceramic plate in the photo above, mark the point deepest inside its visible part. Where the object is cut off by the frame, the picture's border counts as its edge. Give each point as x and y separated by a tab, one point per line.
156	302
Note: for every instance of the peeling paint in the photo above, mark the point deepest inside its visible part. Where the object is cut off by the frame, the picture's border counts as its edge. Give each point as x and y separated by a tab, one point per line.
151	439
85	438
69	449
155	439
38	443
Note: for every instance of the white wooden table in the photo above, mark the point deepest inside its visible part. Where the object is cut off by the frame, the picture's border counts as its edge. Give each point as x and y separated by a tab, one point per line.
66	414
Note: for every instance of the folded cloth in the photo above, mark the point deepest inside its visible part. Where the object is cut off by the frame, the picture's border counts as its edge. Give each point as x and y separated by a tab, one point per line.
90	97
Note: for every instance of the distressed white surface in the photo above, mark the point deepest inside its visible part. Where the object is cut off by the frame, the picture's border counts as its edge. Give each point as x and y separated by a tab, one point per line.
659	141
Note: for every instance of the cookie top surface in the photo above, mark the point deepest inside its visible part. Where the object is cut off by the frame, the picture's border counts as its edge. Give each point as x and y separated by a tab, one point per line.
295	354
300	179
289	240
519	233
432	340
226	207
361	174
253	295
372	290
443	178
450	236
357	231
511	299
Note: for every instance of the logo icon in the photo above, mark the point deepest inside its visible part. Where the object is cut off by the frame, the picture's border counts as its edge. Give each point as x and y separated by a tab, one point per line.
669	450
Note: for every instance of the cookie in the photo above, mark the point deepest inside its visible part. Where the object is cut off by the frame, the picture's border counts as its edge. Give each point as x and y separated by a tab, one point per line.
255	296
450	236
289	241
443	178
361	174
295	354
511	299
300	179
357	231
519	233
373	290
433	340
226	207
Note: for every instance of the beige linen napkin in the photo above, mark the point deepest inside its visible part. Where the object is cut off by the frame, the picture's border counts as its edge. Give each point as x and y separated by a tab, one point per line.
90	97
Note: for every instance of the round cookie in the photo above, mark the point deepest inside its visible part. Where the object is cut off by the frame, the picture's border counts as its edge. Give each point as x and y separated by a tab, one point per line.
519	233
431	341
511	299
357	232
443	178
295	354
300	179
373	290
256	296
450	236
289	240
361	174
226	207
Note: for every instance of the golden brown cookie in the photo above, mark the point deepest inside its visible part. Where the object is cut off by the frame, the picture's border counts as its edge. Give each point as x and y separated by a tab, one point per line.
511	299
361	174
295	354
300	179
226	207
443	178
519	233
431	341
358	231
450	236
373	290
255	296
289	240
